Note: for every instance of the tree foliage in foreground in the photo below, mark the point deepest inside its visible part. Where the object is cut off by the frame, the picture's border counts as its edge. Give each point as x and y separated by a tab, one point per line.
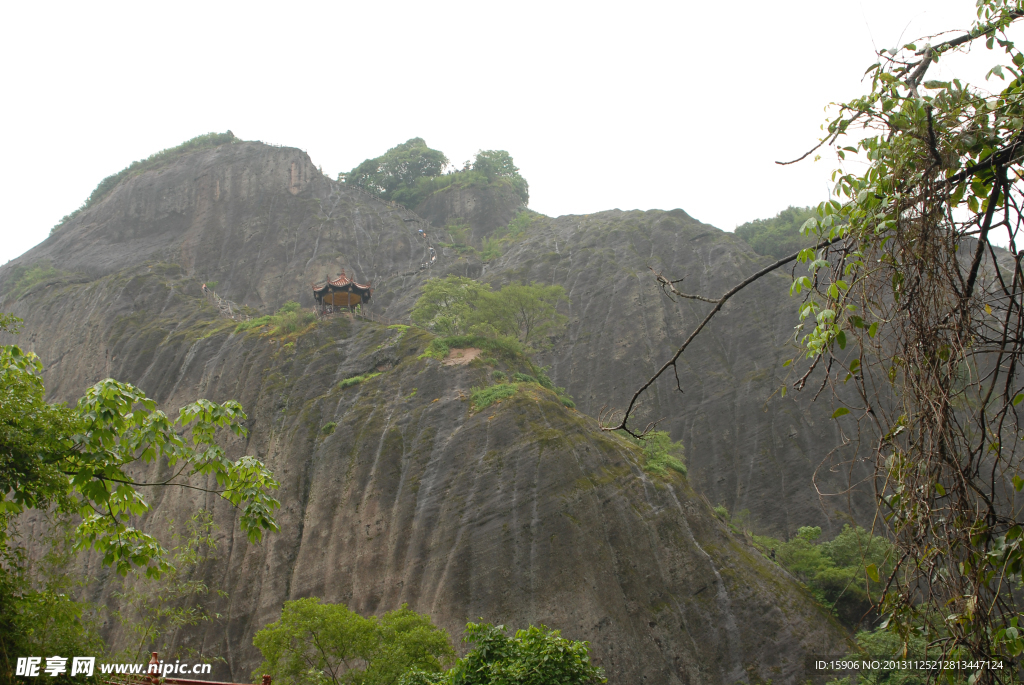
316	643
151	610
907	300
39	614
78	459
535	656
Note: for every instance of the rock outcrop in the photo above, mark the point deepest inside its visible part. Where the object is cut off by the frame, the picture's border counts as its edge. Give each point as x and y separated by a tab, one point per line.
523	513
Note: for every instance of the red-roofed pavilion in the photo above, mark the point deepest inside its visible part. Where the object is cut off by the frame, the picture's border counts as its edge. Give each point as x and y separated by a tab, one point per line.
341	292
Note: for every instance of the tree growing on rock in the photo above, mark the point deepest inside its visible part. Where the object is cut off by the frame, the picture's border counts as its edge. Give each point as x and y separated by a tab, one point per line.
498	164
456	305
447	305
525	311
398	169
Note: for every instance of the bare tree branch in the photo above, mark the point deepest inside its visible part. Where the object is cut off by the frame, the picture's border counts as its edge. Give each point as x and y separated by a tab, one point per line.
718	306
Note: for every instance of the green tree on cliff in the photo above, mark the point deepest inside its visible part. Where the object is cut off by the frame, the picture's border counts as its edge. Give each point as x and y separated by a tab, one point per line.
447	304
456	305
398	169
780	235
498	164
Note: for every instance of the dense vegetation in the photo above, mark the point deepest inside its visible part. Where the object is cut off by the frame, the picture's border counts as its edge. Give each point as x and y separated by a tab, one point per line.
76	461
844	573
780	235
154	161
457	305
408	173
318	643
535	656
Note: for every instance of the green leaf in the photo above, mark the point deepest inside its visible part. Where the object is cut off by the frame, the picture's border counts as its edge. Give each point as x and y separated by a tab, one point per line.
872	572
1018	399
939	488
841	339
842	411
873	329
1018	483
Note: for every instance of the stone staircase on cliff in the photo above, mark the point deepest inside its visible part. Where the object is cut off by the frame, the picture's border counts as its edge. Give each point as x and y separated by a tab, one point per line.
225	307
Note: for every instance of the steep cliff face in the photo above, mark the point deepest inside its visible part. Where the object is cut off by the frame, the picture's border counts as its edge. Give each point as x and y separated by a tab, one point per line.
260	220
263	223
748	447
484	207
522	513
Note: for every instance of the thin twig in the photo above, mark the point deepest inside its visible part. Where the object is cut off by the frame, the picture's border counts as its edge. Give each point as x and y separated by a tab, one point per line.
718	306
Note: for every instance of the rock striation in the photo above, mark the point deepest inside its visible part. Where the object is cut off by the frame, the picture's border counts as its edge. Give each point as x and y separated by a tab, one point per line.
522	513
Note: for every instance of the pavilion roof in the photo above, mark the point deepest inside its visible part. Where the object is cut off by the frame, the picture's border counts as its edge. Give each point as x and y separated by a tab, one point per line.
345	283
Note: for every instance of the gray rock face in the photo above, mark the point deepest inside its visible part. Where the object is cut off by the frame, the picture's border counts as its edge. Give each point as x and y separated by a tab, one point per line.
524	513
748	447
484	208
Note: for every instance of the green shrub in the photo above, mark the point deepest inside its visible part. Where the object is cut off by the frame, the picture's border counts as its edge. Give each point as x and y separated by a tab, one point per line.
290	318
329	427
568	402
314	638
254	323
502	346
356	380
494	245
834	571
459	306
660	454
24	277
481	398
721	512
436	349
523	378
499	376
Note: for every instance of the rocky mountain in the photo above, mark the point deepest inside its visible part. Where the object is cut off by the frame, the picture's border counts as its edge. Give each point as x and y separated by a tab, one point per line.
522	513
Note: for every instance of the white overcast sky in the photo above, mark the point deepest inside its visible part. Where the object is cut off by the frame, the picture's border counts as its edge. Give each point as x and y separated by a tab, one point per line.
640	105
